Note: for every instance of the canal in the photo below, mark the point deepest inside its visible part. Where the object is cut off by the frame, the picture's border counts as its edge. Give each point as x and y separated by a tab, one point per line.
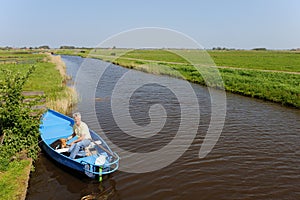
257	155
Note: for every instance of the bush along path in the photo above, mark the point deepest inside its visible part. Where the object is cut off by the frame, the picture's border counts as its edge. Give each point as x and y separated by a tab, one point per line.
19	131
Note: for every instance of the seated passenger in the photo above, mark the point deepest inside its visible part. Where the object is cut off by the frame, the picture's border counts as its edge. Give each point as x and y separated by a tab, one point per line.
81	130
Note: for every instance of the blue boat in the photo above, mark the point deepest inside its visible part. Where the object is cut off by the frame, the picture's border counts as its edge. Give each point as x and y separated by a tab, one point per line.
98	160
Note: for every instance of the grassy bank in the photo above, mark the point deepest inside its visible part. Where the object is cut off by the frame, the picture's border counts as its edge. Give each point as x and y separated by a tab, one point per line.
14	181
268	75
49	76
19	128
63	98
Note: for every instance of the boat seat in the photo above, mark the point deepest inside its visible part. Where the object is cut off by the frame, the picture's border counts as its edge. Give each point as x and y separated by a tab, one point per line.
63	150
90	150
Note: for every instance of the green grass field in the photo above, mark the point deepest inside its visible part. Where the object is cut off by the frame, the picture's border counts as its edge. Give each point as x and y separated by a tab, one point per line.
264	60
45	78
19	56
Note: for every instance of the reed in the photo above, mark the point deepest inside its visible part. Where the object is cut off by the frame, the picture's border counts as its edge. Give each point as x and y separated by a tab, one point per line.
63	101
66	98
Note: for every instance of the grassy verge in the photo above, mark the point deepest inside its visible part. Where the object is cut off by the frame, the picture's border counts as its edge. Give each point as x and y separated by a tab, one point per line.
273	86
268	75
14	181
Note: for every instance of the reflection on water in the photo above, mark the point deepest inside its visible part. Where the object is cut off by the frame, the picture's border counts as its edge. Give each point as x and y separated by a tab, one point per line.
256	157
54	181
104	193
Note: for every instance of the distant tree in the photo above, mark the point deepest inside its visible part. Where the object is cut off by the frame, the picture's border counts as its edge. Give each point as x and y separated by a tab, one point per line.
216	48
67	47
259	49
44	47
219	48
297	49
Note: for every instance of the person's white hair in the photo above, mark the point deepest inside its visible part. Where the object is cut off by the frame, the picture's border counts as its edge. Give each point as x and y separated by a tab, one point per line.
77	114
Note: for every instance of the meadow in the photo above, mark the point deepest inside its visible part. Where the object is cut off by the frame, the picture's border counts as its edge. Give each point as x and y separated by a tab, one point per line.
288	61
268	75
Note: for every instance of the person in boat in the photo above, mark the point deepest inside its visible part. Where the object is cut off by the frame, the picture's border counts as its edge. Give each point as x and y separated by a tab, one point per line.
81	130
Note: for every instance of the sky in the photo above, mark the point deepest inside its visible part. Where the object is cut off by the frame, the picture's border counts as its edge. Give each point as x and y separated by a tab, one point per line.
241	24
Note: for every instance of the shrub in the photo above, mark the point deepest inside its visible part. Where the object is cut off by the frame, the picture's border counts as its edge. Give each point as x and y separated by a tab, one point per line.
18	125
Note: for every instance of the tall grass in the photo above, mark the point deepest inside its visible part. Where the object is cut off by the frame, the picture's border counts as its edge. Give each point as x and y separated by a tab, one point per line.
62	100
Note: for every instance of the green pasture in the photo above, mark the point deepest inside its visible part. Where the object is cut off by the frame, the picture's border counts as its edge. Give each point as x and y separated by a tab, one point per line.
45	77
264	60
